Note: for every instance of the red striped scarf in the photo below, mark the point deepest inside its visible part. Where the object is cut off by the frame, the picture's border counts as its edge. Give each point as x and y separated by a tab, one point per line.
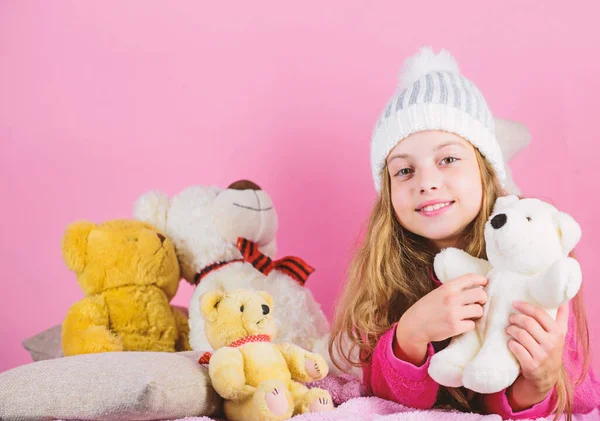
294	267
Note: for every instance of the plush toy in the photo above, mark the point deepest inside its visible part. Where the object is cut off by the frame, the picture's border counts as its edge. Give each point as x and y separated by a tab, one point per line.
512	137
225	239
258	379
527	245
129	272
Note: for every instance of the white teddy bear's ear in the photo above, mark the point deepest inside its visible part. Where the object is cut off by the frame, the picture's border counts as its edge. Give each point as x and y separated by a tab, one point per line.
153	207
569	231
504	202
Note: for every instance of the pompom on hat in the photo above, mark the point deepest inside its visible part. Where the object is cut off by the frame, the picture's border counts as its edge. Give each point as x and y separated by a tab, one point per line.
433	95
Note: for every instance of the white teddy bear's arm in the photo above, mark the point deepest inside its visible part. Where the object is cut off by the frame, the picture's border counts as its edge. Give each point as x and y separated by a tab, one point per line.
558	284
226	371
452	263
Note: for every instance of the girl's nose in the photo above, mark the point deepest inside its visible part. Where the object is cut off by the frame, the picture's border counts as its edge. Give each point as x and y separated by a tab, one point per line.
429	179
428	186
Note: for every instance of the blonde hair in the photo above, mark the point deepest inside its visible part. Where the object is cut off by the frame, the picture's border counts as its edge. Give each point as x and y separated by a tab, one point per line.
391	271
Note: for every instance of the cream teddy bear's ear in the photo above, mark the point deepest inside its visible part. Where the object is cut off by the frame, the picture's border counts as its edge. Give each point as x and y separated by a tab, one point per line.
153	207
74	244
268	298
569	231
512	136
209	302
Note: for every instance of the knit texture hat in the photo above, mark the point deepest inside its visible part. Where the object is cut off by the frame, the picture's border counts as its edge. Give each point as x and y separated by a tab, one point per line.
433	95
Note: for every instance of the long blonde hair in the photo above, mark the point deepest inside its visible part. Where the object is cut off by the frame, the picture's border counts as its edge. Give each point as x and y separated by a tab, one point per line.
390	272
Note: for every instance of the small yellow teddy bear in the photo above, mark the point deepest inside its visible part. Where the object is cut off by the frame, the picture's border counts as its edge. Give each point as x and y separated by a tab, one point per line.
129	272
257	378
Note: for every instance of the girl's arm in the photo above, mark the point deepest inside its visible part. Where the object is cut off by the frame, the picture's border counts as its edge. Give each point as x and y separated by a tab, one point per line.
389	377
500	403
399	371
508	403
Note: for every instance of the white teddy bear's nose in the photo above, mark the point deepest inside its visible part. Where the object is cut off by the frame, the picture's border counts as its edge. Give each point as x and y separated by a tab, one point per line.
499	220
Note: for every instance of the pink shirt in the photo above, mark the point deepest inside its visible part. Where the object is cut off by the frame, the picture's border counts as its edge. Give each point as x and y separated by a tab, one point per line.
390	378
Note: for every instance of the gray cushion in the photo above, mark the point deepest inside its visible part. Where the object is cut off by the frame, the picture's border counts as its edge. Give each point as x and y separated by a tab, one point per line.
109	386
45	345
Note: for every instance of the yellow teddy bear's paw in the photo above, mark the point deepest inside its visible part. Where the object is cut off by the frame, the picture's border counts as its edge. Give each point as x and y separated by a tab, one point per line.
274	400
316	367
92	340
316	400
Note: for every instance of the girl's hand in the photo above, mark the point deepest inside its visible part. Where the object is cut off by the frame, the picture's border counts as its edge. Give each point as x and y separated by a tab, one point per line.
447	311
538	341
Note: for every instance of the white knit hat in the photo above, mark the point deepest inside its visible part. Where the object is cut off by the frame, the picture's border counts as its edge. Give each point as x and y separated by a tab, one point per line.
433	95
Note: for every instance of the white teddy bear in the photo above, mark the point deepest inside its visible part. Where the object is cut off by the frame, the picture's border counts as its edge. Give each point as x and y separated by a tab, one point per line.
527	244
204	224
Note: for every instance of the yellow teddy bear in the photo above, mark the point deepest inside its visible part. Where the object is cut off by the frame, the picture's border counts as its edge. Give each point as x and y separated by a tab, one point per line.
129	272
257	378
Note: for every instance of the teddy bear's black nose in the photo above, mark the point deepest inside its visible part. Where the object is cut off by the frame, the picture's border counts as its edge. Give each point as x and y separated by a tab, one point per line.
244	185
499	220
161	237
265	309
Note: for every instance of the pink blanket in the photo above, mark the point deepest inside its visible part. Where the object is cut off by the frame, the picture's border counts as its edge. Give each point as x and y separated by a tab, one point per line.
348	393
371	409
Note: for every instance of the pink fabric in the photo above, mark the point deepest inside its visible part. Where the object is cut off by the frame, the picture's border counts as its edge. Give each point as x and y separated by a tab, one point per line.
377	409
391	378
351	404
341	388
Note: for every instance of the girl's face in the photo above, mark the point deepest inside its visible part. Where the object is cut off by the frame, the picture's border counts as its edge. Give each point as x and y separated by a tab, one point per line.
436	185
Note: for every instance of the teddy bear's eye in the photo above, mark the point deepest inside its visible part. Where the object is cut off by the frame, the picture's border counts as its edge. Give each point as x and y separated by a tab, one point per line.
242	308
529	218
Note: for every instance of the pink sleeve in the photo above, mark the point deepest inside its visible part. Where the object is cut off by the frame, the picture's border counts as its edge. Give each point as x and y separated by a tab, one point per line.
497	403
390	378
586	395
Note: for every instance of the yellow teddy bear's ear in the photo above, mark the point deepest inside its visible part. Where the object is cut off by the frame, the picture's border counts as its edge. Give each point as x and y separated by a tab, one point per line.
209	302
74	244
267	297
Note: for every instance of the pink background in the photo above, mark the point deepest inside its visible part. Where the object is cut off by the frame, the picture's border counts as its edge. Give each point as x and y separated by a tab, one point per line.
100	102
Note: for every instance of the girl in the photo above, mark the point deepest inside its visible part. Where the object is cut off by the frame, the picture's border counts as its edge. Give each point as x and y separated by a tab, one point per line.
438	169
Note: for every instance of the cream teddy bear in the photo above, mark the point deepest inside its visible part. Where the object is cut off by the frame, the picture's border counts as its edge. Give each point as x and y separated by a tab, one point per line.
258	379
527	244
205	224
513	137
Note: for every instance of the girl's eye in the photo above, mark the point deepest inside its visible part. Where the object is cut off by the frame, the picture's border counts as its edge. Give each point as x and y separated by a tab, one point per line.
449	160
404	171
242	308
529	219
